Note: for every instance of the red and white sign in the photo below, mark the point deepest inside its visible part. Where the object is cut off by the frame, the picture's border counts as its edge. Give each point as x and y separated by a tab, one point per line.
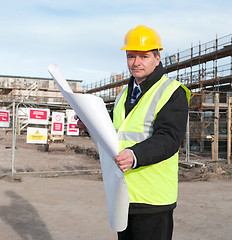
38	116
57	123
71	129
4	118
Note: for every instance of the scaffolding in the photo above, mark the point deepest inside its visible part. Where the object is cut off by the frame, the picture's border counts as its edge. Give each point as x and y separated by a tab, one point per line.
206	69
32	89
207	65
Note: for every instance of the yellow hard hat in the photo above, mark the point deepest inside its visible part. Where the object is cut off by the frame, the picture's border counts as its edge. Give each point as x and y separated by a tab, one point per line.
142	38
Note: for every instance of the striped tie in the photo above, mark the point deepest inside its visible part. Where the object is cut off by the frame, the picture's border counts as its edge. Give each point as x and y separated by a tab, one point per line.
134	95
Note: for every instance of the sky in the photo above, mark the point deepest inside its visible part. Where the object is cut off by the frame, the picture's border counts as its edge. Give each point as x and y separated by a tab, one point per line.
84	37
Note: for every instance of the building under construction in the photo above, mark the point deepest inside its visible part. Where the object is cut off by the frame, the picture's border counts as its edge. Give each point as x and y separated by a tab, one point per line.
33	89
206	69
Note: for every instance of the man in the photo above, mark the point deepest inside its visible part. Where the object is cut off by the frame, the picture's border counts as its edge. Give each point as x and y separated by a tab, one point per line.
150	117
151	126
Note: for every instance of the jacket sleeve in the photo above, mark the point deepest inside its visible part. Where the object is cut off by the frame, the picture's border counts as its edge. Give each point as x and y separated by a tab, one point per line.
169	131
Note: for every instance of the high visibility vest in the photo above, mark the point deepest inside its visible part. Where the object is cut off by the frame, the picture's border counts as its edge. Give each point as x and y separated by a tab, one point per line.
155	184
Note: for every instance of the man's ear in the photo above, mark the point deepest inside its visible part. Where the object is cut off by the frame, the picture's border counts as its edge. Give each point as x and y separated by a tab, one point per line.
158	59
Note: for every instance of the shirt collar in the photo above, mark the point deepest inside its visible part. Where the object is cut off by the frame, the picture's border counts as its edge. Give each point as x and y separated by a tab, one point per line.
135	85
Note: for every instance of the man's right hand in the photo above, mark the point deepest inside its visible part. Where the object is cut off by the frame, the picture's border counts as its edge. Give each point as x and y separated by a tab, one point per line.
80	124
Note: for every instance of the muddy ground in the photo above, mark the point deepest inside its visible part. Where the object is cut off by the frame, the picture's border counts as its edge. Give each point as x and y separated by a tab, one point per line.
64	197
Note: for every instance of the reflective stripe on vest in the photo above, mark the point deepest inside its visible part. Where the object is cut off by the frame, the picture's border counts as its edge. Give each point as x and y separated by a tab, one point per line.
155	184
119	96
149	117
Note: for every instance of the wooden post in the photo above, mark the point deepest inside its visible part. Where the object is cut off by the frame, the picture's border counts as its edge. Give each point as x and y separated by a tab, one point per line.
212	144
212	150
216	130
229	132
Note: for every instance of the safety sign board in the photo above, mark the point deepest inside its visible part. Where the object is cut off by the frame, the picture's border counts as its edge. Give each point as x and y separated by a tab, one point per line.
4	118
57	123
37	135
71	123
38	116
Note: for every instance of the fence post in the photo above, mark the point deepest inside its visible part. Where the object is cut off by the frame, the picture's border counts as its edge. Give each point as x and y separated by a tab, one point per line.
229	132
187	141
13	139
216	130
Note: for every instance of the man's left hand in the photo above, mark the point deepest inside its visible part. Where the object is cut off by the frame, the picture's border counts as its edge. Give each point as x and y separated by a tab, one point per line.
125	160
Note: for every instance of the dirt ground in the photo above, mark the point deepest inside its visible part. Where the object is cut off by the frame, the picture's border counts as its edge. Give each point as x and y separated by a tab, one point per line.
64	197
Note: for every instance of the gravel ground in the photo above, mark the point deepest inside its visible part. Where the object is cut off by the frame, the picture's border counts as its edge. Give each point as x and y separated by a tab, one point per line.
71	205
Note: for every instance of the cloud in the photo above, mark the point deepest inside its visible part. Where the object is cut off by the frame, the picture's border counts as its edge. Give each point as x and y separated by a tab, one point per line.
84	37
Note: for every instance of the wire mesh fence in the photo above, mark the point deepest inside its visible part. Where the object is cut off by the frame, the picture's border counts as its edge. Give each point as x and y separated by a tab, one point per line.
18	155
201	137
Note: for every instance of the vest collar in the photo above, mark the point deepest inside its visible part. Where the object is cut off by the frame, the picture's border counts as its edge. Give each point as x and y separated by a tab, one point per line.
152	78
145	86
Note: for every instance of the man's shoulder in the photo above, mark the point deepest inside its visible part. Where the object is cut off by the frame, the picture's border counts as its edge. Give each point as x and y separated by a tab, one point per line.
179	93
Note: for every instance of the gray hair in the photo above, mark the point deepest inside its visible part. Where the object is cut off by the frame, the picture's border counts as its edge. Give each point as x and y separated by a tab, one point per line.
156	52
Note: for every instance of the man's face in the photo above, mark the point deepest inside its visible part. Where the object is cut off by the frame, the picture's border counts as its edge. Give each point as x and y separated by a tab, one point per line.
141	64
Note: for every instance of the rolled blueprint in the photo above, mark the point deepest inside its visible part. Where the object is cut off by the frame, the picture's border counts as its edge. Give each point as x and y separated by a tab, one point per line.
93	113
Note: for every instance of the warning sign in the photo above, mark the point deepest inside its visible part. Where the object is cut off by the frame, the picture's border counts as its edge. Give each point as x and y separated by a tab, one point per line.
57	123
71	129
37	135
4	118
38	116
57	127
